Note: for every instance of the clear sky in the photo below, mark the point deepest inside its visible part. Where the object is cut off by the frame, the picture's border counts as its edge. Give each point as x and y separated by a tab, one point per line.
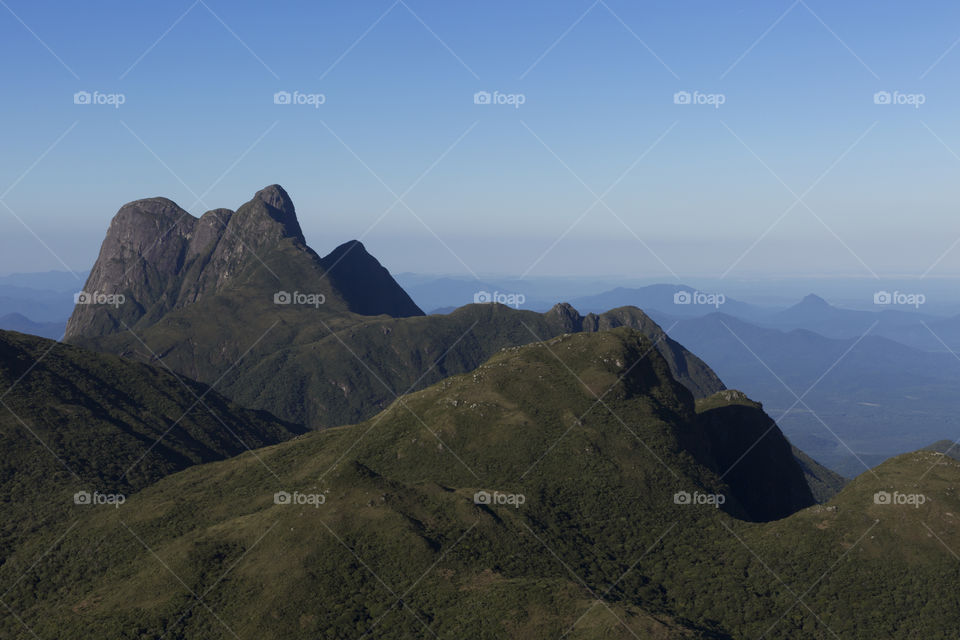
598	171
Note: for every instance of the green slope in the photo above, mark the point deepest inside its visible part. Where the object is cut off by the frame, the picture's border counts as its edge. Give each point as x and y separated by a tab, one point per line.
72	420
324	369
599	545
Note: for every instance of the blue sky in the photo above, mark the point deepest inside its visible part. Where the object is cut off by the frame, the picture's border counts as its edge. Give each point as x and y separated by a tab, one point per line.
798	172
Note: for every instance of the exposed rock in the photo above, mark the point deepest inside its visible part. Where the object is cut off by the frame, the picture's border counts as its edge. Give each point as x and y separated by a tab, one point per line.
161	258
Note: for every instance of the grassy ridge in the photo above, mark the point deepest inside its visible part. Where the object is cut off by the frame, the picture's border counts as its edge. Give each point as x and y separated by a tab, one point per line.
598	546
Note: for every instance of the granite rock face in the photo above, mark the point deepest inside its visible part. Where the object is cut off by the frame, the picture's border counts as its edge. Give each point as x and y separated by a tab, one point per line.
160	258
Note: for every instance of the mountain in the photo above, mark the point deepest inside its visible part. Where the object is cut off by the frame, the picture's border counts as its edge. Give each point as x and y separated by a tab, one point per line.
160	259
368	287
508	502
325	370
74	420
876	396
201	296
23	324
403	496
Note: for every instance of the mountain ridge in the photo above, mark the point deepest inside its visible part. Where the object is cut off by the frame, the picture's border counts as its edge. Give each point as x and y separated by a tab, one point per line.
424	489
203	303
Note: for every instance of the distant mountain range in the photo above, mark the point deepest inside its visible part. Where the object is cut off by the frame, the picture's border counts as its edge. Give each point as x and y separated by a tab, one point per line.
199	293
873	430
23	324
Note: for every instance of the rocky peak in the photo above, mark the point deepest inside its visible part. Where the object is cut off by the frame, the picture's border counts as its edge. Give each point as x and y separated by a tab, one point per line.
161	258
270	212
276	197
568	317
366	285
141	226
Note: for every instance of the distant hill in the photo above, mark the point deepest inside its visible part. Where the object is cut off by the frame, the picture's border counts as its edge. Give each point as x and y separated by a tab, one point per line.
40	305
22	324
813	313
45	298
678	300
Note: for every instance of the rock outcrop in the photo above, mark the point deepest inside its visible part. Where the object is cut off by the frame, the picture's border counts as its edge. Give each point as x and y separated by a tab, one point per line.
160	258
